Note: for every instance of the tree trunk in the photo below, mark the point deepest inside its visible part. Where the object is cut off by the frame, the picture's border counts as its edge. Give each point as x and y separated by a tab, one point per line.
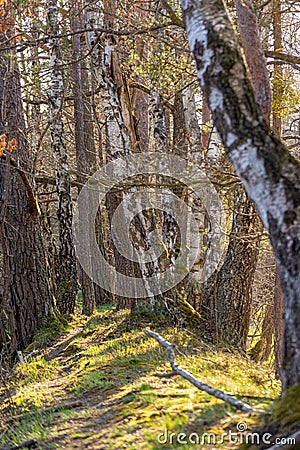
85	150
117	140
231	289
277	126
228	293
67	284
30	299
271	176
262	349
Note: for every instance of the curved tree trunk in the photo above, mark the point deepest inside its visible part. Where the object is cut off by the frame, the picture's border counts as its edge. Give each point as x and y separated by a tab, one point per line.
271	176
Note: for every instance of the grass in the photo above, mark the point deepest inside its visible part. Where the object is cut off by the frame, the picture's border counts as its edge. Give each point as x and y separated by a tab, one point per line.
95	387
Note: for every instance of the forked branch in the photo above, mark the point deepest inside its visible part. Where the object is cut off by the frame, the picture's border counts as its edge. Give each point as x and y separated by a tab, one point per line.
177	370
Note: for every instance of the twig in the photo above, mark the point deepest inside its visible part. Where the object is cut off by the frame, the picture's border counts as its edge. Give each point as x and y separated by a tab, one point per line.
170	374
188	376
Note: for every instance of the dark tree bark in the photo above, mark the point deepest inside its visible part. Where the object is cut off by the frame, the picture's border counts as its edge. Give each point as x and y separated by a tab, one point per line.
271	176
277	126
67	284
228	295
84	143
29	299
140	99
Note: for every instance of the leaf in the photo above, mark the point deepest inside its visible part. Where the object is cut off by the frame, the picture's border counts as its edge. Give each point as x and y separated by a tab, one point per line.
2	143
12	145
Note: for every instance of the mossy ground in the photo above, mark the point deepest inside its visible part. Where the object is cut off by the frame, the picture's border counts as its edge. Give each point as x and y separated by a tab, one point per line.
95	388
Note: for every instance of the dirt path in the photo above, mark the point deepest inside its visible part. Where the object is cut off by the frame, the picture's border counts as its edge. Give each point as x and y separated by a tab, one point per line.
94	389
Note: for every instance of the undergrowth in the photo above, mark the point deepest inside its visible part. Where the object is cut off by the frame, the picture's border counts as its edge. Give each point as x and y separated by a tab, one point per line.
94	387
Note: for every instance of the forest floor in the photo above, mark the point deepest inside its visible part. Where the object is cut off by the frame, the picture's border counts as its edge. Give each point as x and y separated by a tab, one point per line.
94	388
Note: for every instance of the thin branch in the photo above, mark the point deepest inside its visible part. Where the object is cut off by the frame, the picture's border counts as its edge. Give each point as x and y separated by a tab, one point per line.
147	90
279	62
283	57
188	376
43	40
173	16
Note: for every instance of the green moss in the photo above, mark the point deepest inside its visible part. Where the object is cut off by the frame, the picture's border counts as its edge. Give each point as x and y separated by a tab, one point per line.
55	326
287	408
36	369
109	363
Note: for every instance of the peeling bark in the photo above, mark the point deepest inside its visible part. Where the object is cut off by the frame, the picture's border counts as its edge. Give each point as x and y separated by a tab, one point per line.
67	284
271	176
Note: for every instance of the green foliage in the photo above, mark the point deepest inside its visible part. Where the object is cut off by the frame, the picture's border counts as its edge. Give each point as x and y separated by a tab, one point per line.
90	381
153	311
287	409
36	369
285	96
54	326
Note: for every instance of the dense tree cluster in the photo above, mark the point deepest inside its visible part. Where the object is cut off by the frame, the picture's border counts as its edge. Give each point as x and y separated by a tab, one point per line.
84	83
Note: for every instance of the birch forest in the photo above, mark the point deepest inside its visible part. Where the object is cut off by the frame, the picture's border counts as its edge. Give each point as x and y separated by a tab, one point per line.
149	224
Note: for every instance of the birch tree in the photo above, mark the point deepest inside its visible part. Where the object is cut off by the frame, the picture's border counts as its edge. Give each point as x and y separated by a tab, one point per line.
67	284
271	176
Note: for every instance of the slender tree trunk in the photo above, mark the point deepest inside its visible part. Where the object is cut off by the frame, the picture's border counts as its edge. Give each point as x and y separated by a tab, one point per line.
269	173
205	122
262	349
228	295
140	99
277	126
28	299
85	150
278	324
117	140
67	284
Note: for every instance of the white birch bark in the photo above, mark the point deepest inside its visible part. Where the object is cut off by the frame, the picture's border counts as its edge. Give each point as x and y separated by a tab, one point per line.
269	173
67	278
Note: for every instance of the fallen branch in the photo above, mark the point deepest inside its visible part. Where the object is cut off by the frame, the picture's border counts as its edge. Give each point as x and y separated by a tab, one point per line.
170	374
188	376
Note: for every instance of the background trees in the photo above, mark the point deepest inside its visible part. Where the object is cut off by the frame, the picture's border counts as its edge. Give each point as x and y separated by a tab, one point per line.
26	299
101	81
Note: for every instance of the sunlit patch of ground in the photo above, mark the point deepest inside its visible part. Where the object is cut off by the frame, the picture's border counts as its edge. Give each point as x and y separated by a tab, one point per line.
95	388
